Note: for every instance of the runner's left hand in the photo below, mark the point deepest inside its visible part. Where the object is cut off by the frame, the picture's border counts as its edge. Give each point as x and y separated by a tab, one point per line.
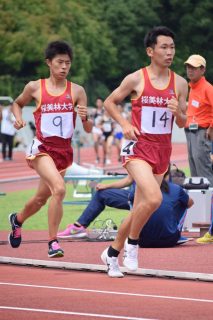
82	112
173	106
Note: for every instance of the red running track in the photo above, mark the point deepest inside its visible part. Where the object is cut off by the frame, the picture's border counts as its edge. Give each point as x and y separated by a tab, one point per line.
34	293
42	293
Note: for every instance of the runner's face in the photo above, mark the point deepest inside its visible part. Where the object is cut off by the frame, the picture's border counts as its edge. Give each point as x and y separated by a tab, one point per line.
194	74
163	52
60	66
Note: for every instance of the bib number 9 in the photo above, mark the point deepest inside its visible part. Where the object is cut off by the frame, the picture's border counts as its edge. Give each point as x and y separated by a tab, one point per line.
57	124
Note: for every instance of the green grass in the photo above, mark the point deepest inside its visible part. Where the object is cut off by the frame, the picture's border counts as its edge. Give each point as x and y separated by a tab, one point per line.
14	201
187	171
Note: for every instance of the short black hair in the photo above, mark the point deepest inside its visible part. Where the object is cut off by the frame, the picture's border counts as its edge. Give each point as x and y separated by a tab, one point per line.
164	185
150	39
58	47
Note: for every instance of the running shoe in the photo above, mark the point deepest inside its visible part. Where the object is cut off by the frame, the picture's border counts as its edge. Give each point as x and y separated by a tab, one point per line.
55	250
182	240
97	160
107	161
72	232
14	237
207	238
112	264
130	257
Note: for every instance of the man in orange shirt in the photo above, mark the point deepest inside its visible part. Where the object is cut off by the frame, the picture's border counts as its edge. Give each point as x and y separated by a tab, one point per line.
199	126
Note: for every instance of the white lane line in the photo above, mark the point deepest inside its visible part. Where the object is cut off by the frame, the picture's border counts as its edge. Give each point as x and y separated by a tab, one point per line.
106	292
97	315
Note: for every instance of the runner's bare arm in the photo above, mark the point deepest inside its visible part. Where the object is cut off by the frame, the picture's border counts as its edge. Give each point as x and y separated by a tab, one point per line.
126	88
190	203
125	182
179	107
80	99
24	98
209	96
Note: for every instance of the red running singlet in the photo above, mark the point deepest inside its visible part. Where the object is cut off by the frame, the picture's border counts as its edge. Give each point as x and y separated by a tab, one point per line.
153	119
55	122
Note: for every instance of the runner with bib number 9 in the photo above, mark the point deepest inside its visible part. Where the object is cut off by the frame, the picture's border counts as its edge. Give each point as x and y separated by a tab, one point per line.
158	96
50	152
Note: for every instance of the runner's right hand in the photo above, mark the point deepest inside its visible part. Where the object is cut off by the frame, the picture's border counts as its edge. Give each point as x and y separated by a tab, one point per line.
130	132
18	124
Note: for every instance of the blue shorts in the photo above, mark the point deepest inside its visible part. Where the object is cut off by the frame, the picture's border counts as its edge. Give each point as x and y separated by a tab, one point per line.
118	135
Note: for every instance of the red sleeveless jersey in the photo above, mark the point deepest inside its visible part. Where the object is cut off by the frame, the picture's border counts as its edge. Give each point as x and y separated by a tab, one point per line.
55	117
150	113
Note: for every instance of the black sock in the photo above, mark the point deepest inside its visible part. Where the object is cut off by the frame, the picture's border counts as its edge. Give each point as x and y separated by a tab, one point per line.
133	241
76	225
17	223
113	252
51	241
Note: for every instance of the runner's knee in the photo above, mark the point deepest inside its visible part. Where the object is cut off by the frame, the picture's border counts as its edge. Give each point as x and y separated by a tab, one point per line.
152	203
156	199
155	202
59	191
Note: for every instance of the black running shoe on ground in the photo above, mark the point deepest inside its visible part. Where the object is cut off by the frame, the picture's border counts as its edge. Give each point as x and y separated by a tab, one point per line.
14	237
55	250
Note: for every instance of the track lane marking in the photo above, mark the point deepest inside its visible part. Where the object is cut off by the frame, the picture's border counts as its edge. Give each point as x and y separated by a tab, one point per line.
97	315
106	292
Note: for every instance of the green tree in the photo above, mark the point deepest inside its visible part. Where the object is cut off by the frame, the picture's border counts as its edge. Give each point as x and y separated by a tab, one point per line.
128	22
26	28
107	38
192	22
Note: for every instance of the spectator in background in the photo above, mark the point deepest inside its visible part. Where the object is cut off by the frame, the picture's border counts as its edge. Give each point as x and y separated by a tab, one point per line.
199	126
118	133
33	128
208	236
96	130
107	129
7	132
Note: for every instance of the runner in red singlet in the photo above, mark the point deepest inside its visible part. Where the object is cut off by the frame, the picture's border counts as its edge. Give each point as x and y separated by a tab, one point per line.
158	96
50	152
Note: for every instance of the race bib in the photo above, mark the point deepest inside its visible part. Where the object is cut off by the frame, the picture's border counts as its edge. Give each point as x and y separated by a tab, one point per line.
156	120
32	149
127	147
57	124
